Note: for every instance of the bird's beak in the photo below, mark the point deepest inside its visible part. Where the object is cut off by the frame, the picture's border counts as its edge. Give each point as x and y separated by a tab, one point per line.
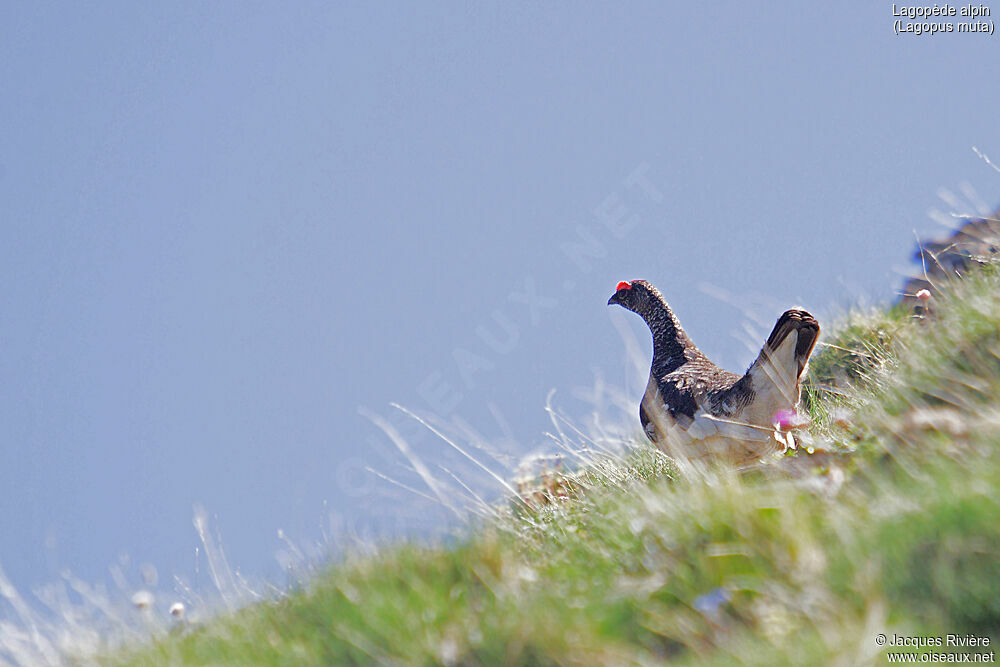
614	299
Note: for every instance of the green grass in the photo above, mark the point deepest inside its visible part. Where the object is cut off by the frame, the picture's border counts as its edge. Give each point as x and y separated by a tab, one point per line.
892	524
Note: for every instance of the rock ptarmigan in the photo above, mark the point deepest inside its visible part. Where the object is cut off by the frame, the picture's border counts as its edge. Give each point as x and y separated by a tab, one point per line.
696	410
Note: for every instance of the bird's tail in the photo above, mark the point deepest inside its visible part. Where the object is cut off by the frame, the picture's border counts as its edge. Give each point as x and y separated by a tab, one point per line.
807	329
785	354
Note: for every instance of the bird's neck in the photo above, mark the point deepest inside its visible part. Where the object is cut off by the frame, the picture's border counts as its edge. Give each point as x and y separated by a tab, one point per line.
669	339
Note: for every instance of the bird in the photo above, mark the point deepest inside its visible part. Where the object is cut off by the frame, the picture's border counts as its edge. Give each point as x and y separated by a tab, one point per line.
693	409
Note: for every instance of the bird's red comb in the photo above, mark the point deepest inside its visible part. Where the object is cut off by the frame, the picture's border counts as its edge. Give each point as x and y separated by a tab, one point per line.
624	285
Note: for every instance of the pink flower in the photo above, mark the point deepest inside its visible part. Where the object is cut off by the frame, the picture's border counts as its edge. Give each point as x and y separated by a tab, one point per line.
789	420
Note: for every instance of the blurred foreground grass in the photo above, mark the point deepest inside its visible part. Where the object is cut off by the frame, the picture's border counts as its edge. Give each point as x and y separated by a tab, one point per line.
890	525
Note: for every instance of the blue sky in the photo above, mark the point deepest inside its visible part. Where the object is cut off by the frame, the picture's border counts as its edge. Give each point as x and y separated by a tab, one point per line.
226	227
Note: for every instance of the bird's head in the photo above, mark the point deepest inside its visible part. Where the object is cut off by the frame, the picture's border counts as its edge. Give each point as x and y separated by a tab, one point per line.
632	295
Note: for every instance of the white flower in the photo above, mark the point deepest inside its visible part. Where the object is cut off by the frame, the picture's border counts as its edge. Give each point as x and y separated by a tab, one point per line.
142	599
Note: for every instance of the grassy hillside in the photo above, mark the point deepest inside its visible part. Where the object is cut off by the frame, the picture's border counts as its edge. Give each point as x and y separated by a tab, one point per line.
890	525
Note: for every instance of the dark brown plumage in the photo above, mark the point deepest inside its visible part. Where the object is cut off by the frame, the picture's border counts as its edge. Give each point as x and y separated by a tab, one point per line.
693	408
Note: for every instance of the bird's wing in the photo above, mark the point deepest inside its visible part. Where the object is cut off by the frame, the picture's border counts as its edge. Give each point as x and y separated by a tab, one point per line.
704	436
706	425
677	399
